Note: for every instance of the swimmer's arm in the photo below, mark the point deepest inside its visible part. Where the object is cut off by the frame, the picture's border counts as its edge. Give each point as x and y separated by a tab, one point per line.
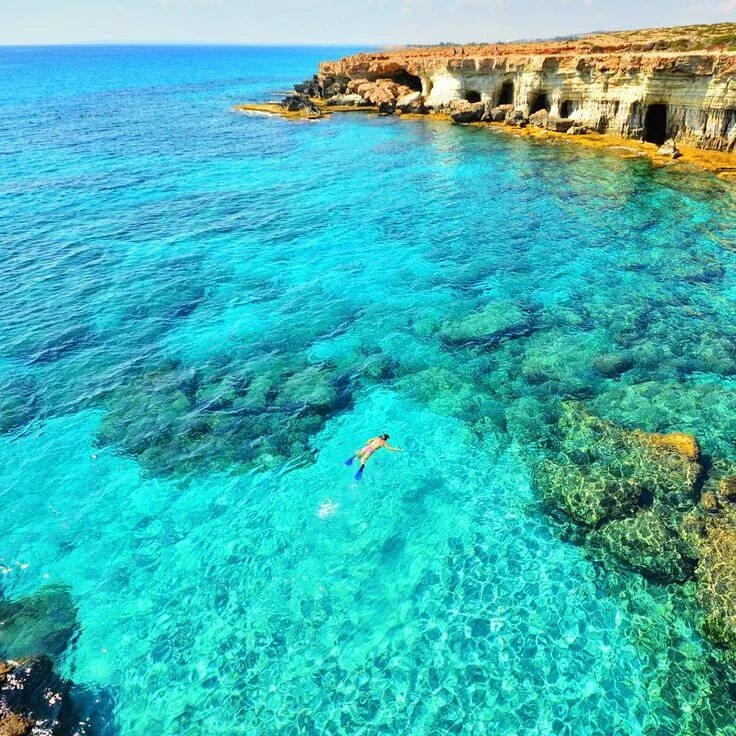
393	449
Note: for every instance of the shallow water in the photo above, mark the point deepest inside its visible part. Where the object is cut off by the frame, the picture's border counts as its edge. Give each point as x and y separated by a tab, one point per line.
204	312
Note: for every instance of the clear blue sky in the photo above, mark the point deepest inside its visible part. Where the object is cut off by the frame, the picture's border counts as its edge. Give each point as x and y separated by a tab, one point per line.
363	22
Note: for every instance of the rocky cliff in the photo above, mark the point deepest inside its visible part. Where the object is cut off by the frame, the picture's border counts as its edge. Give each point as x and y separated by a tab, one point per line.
649	85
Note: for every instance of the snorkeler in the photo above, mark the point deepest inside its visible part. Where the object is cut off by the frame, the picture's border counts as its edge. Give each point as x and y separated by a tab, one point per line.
367	450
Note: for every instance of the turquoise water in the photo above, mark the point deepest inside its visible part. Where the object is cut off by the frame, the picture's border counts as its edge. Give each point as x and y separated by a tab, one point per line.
204	313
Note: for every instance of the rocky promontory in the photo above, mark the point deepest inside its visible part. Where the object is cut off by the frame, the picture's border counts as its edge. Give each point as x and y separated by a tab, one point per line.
663	86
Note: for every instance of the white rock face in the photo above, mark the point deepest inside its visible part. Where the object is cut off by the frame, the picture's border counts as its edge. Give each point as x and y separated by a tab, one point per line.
700	107
688	96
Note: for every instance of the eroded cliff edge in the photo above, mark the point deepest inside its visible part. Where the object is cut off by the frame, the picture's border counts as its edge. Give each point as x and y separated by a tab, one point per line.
652	85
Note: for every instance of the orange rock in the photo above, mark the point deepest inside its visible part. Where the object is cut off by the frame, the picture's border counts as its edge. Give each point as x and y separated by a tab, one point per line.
14	725
679	442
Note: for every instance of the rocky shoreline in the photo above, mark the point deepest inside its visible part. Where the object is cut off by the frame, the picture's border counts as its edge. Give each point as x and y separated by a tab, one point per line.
601	90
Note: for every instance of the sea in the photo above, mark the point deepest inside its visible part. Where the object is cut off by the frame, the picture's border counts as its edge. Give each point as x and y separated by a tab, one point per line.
205	312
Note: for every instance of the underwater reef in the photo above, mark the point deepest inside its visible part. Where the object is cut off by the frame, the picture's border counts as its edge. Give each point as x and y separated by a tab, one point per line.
652	502
548	379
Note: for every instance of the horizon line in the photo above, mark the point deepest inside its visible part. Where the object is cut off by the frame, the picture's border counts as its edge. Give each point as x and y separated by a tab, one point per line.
53	44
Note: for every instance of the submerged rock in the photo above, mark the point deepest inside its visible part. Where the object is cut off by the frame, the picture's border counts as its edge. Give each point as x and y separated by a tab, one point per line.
44	622
716	545
588	495
18	402
495	322
716	575
245	413
678	443
637	497
15	725
630	487
613	365
648	544
35	631
311	389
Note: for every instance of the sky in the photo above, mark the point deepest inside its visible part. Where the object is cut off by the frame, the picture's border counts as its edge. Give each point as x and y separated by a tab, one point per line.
341	22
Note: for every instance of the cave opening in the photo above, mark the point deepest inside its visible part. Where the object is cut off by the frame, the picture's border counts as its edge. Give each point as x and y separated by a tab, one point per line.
472	96
565	108
655	124
408	80
540	103
506	96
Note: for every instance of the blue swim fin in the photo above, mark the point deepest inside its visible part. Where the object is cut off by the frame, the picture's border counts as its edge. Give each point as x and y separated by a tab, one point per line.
359	474
349	461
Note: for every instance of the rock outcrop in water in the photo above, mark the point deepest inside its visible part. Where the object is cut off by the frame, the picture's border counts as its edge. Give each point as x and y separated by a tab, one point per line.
677	83
34	697
652	503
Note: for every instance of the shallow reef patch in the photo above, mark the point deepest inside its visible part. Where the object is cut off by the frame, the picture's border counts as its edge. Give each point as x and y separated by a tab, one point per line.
651	502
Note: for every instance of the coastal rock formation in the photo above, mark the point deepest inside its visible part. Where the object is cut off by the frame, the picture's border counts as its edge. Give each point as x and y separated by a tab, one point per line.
302	104
558	125
539	118
669	149
498	113
462	111
412	102
517	118
662	84
35	630
35	699
382	91
346	100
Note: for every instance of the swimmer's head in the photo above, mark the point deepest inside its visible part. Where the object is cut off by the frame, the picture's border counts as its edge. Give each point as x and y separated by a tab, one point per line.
384	437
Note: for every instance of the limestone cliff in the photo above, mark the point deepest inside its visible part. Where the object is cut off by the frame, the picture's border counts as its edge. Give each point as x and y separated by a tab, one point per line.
649	85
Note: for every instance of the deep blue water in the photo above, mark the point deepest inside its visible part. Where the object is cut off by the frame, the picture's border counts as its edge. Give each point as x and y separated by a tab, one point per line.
203	313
